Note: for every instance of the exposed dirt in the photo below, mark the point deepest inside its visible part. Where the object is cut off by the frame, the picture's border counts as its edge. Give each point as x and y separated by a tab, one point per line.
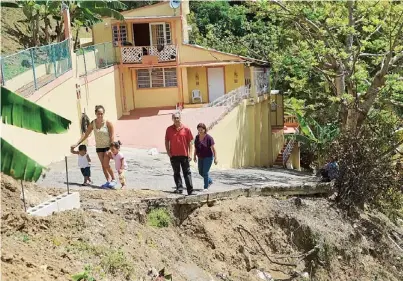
294	238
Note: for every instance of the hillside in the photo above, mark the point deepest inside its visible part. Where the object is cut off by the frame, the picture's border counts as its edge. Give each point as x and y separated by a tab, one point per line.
236	239
15	34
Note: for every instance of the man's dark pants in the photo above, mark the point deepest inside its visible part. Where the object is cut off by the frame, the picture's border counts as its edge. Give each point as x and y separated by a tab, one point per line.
182	161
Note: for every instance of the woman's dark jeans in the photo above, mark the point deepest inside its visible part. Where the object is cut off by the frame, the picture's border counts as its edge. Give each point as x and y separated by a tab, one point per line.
204	165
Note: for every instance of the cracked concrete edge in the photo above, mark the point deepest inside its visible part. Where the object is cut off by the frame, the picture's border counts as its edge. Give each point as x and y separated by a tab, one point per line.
301	190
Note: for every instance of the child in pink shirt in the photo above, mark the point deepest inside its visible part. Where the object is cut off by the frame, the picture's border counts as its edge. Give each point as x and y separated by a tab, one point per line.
120	162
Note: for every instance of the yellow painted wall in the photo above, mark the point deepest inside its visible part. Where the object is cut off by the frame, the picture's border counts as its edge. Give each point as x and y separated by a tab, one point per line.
155	97
192	85
102	32
277	142
231	82
127	88
229	75
118	98
49	148
185	85
195	54
153	10
102	91
277	116
241	137
232	139
296	158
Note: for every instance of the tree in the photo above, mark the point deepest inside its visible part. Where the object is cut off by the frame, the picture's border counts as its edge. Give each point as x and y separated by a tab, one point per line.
358	45
82	14
19	112
343	56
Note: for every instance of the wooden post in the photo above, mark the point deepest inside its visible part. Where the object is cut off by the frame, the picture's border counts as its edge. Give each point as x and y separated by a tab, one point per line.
67	175
23	196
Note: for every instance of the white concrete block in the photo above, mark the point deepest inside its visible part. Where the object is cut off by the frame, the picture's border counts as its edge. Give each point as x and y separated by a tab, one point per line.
60	203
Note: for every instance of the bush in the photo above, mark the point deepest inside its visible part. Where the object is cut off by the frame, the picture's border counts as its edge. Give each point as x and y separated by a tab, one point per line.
116	263
159	218
366	173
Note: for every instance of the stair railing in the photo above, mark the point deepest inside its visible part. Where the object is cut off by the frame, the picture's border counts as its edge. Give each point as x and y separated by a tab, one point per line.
289	148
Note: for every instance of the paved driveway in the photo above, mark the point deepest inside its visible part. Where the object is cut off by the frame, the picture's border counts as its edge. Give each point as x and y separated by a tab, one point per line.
145	128
155	173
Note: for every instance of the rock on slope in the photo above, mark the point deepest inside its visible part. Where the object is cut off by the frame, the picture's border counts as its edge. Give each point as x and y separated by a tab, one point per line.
227	240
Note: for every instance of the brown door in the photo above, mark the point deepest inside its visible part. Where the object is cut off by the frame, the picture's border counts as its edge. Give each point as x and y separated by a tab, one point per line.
141	34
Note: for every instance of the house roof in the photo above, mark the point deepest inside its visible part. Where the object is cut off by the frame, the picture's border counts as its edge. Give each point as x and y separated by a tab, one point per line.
245	59
209	63
150	17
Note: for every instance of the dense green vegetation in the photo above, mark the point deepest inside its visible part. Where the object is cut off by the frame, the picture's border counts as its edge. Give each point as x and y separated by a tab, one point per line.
340	65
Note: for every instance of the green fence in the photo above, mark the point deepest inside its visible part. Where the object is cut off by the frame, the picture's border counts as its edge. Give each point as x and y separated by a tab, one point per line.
95	57
29	70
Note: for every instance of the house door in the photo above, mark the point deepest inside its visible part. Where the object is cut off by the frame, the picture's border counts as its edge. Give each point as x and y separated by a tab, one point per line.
216	80
141	34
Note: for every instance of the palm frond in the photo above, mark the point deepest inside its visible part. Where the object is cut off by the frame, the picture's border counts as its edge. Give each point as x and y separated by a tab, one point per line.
107	12
18	165
116	5
19	112
305	129
9	4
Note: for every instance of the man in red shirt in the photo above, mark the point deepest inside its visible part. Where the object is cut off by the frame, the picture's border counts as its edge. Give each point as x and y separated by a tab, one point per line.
178	143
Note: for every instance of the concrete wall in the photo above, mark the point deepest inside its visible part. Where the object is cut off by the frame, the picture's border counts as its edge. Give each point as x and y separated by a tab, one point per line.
27	77
44	149
277	116
153	97
102	88
194	84
189	53
59	96
243	138
233	75
278	142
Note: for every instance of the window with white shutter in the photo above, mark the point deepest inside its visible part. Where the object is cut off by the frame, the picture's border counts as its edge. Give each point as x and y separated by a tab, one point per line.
156	78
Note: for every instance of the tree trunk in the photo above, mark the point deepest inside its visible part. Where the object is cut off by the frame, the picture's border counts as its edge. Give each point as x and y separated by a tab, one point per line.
76	40
340	84
46	30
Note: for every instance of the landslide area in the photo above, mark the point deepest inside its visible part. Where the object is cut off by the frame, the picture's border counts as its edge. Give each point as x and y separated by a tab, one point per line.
238	239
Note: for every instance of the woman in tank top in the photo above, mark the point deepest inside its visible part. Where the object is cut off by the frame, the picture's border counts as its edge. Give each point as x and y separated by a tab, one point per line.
104	136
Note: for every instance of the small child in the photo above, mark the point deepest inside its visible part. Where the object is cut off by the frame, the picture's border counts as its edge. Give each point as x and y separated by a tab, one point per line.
120	162
84	162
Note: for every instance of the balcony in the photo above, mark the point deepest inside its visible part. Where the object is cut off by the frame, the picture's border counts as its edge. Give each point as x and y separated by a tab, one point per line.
290	121
161	54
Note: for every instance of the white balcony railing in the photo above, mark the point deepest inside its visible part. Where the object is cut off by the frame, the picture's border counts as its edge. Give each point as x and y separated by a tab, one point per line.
134	54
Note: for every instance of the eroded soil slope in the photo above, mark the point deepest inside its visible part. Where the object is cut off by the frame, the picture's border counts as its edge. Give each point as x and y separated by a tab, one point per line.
227	240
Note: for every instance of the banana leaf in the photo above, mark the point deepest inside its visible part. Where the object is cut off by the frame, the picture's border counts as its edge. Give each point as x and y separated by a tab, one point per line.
18	165
20	112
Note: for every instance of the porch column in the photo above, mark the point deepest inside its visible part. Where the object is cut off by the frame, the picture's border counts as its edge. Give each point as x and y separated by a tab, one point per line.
258	132
250	147
296	157
253	92
185	86
270	133
265	134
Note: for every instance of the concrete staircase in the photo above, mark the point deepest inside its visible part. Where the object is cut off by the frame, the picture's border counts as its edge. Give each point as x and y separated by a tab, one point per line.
279	159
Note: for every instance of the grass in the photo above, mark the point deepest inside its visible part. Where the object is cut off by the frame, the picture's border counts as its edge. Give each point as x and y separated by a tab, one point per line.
116	263
111	262
22	236
159	217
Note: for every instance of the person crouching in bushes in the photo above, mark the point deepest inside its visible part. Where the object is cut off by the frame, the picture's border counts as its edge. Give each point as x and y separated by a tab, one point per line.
84	163
330	171
120	162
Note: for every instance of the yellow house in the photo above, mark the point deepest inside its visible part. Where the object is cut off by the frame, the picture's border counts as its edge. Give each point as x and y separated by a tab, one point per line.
159	68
